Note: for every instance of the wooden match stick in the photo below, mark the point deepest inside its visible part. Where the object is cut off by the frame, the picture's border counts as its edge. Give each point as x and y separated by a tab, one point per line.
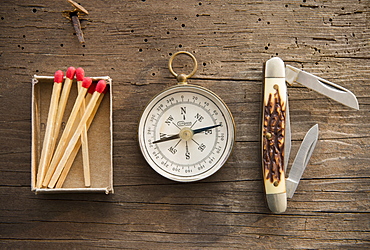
63	142
64	98
90	92
49	133
80	74
61	108
70	161
75	138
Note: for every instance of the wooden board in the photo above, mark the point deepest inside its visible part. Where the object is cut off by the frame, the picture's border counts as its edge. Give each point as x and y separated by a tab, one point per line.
131	41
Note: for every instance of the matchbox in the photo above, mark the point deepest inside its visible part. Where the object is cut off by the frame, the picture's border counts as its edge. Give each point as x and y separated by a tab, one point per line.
99	139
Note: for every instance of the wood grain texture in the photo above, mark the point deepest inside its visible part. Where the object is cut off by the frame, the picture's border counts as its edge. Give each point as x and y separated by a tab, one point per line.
131	41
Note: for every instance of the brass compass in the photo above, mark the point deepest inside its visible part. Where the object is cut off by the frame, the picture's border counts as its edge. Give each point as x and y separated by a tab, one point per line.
186	132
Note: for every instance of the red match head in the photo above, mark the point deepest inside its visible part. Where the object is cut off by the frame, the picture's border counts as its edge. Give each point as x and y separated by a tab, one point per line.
70	72
106	89
92	88
86	82
100	86
58	76
80	74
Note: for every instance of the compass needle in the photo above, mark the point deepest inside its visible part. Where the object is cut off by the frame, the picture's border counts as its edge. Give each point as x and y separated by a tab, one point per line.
193	132
195	127
199	130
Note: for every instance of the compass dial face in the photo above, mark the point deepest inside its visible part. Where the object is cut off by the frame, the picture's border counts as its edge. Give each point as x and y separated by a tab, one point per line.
186	133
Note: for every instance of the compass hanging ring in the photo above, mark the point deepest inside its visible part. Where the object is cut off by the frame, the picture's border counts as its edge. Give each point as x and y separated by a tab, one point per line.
182	78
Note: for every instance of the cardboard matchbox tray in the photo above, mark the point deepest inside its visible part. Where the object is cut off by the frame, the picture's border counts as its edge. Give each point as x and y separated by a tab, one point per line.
100	140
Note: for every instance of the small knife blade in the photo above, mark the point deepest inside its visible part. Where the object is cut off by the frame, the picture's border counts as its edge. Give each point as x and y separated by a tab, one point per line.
325	87
301	160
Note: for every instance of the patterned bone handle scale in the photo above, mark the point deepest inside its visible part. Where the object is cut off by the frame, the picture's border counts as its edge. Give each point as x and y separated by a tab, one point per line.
273	133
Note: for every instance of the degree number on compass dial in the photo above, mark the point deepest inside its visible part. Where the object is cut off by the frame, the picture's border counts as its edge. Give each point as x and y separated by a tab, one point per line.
186	133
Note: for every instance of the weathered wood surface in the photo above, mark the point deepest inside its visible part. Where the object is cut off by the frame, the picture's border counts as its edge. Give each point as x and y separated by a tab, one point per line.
131	41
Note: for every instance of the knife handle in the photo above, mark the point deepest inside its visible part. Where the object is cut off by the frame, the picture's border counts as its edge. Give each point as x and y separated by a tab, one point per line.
273	134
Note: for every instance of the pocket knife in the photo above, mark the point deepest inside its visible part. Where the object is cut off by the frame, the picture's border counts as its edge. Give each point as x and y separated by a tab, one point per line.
276	134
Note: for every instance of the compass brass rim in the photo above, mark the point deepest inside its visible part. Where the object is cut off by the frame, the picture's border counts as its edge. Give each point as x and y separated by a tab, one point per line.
198	176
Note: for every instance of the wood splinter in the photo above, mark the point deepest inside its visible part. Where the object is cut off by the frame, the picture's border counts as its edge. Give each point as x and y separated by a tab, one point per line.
74	16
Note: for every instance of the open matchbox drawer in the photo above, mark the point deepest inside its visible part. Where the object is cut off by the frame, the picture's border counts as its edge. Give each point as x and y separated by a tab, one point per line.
99	139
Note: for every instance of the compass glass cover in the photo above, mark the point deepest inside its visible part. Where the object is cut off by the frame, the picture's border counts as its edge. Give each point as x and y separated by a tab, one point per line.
186	133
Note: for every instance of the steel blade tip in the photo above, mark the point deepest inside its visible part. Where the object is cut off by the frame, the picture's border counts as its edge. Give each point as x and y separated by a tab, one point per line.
301	161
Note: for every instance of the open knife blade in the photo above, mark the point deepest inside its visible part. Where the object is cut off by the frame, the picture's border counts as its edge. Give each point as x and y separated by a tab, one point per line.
301	160
325	87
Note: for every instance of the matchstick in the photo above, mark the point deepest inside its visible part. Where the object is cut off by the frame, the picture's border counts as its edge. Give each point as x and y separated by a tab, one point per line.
61	108
69	163
63	142
49	133
80	74
72	143
64	98
90	92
